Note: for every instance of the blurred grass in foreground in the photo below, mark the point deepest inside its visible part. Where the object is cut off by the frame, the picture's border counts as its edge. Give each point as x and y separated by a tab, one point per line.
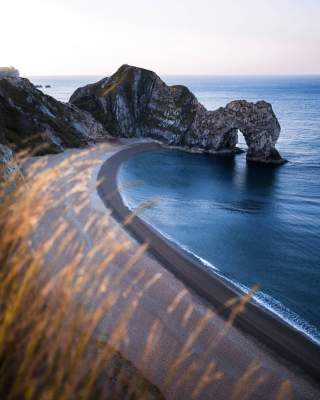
49	342
51	345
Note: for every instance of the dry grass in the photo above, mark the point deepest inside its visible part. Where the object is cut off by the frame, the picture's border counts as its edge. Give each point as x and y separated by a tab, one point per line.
49	345
51	342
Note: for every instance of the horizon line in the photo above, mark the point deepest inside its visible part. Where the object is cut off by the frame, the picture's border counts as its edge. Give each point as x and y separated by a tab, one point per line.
183	75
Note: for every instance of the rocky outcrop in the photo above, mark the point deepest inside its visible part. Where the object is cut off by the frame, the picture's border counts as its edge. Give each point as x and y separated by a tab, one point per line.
135	102
8	166
6	72
30	119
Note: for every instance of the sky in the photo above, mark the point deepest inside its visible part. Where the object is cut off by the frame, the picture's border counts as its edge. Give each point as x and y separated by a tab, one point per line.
187	37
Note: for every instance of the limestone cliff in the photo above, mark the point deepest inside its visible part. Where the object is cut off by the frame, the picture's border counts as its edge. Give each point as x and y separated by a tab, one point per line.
135	102
29	118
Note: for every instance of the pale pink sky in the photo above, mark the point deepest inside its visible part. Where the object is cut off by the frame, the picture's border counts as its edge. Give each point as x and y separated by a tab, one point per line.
61	37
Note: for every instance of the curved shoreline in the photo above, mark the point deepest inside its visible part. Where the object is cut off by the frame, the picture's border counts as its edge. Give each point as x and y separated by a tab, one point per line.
264	325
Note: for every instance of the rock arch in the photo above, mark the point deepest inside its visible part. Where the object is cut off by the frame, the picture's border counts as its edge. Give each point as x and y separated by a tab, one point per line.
260	128
136	102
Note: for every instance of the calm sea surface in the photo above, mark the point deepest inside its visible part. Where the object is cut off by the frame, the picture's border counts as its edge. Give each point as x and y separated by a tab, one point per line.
252	224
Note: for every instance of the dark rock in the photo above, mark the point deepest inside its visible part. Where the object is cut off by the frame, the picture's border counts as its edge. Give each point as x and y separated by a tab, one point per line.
48	86
135	102
8	166
29	118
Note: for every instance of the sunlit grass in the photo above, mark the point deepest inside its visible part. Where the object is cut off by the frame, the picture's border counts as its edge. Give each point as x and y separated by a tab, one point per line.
53	344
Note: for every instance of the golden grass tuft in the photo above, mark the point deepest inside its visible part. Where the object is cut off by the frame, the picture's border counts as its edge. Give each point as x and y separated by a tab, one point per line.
49	342
53	341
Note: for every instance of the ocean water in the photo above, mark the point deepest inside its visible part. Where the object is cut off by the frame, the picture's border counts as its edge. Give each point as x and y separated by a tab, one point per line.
252	224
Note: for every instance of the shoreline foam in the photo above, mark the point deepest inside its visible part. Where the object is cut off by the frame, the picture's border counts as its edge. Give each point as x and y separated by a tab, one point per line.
281	311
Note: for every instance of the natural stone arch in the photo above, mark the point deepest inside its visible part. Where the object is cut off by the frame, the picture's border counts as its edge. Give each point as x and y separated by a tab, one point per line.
259	126
136	102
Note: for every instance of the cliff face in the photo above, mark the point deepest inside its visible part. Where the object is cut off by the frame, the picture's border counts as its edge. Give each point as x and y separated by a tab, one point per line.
135	102
29	118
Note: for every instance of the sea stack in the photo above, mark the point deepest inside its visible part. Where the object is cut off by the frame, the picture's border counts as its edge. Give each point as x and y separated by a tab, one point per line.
135	102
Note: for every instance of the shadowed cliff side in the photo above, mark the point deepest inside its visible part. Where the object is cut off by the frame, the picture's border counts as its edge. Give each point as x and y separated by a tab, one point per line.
28	117
39	124
135	102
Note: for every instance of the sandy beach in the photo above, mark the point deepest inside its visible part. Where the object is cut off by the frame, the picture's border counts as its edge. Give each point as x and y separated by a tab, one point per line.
181	313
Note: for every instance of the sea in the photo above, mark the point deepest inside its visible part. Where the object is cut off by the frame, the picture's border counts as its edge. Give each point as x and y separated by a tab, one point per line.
253	225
